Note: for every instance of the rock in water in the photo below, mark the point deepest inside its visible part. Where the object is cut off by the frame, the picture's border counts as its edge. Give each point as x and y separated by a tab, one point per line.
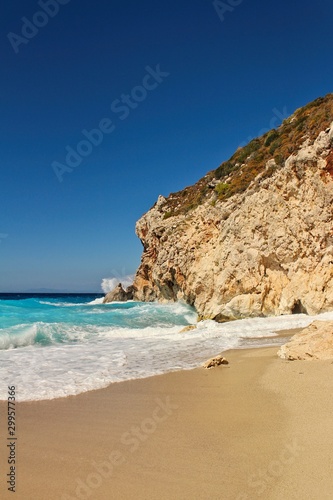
314	342
118	294
216	361
130	290
188	328
255	236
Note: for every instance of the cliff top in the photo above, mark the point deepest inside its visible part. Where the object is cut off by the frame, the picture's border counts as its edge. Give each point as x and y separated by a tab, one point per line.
243	168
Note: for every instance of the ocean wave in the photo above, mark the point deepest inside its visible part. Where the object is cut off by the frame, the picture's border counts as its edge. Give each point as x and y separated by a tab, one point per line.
63	304
17	336
66	350
96	301
44	334
57	322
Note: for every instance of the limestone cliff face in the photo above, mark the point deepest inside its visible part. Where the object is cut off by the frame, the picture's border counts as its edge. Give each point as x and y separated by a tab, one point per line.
264	250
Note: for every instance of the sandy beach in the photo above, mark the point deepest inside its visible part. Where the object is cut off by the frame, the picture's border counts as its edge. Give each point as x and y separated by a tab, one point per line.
260	427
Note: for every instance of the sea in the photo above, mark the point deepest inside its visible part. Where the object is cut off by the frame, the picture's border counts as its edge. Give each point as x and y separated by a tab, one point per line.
60	345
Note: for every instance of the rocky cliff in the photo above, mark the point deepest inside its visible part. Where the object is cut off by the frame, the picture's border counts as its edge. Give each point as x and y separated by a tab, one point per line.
312	343
255	236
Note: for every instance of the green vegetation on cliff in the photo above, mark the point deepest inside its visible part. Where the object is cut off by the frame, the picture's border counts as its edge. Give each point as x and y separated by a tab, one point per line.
236	174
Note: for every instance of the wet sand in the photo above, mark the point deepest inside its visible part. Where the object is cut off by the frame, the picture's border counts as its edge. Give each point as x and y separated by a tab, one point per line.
259	427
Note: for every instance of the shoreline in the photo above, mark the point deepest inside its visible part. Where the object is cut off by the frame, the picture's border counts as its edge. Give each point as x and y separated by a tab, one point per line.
283	334
122	430
242	431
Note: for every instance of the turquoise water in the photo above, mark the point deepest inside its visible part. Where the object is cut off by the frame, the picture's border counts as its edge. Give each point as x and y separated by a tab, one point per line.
45	320
54	346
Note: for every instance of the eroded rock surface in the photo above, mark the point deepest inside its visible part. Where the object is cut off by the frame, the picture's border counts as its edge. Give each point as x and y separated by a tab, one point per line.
314	342
216	361
118	294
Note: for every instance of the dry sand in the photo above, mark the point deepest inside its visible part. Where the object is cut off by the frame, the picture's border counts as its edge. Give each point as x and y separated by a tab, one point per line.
260	427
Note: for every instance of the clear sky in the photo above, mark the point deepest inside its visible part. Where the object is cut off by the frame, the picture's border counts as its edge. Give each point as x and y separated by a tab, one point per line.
195	84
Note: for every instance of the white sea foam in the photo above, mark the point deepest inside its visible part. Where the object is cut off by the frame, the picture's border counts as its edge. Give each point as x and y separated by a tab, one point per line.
99	355
108	284
60	304
96	301
69	304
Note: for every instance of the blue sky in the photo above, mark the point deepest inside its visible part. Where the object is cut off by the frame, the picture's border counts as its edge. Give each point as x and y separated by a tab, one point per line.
228	77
